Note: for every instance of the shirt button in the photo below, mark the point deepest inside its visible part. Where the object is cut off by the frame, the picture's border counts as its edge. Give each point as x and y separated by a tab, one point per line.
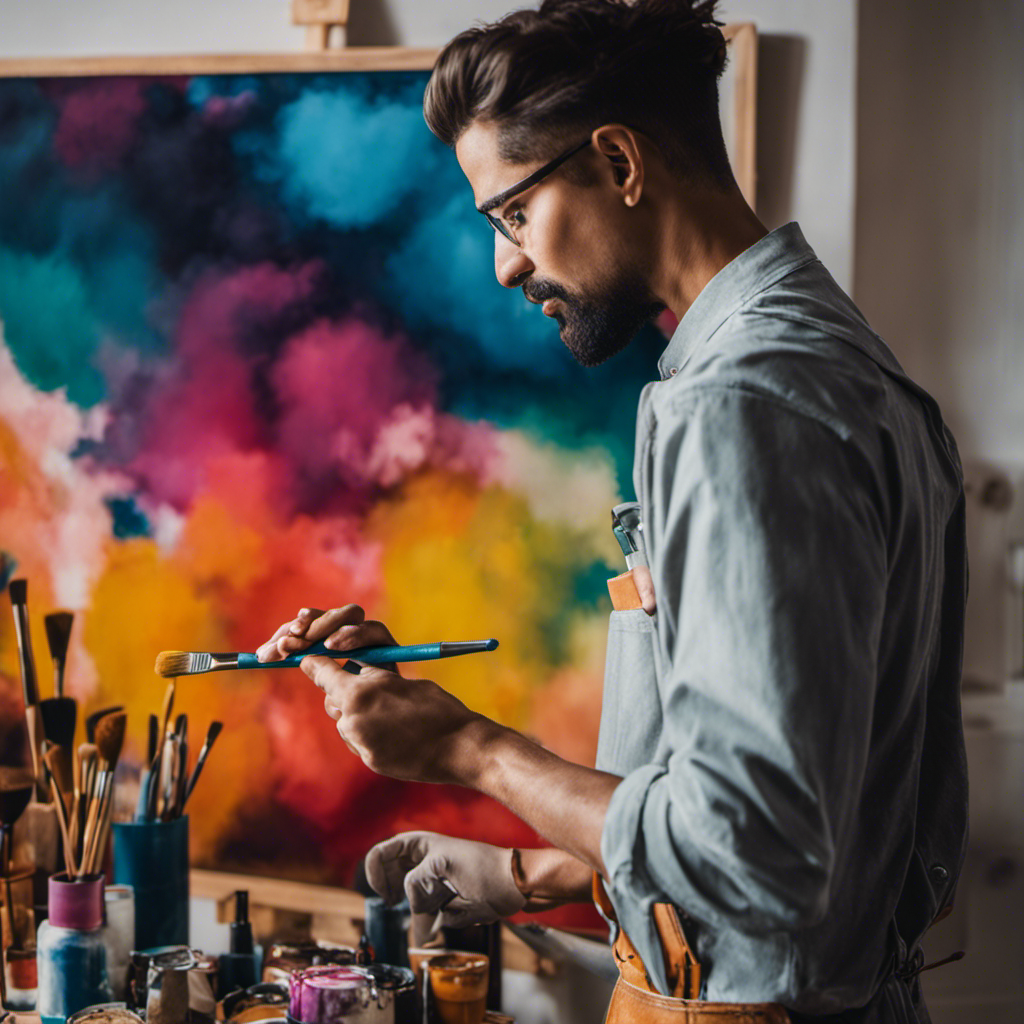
939	873
673	371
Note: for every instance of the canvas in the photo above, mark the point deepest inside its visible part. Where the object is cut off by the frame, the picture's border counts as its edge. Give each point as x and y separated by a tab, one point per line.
255	358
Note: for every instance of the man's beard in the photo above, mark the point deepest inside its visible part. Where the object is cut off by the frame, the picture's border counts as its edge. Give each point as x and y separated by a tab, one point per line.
596	328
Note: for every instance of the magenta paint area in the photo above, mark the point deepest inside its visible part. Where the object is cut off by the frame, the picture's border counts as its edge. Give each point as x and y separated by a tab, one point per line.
333	995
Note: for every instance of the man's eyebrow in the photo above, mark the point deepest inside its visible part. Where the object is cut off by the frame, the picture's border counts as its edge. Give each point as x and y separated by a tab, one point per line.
501	198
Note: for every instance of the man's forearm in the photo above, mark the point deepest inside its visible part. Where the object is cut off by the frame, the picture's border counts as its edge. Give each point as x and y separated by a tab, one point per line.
566	803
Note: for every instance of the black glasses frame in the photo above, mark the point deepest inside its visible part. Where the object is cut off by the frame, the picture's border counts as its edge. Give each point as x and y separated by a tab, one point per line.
521	186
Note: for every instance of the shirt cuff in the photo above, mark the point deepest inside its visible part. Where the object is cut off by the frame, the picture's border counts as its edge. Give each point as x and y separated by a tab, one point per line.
630	889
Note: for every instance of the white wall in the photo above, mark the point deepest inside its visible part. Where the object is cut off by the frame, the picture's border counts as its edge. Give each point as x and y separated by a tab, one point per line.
940	273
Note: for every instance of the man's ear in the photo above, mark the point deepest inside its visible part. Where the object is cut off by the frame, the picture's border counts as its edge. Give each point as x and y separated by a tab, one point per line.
620	147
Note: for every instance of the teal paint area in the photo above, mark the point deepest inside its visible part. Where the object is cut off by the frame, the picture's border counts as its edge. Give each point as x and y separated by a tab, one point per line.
49	326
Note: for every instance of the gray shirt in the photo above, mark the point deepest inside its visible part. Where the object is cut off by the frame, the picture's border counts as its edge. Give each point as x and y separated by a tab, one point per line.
788	723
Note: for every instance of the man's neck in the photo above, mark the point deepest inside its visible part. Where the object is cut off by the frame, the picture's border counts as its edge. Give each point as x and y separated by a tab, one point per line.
696	240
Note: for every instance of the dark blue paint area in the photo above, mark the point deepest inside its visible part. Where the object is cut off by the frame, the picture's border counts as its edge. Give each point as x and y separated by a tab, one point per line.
224	172
128	519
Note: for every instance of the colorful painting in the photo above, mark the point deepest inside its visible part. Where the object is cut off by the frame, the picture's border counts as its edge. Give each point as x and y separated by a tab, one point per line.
254	357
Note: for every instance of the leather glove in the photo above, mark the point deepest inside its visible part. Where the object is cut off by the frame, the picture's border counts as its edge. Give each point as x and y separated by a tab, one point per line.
419	863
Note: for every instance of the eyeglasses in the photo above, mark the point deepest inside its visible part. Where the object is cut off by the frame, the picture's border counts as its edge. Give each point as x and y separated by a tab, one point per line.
521	186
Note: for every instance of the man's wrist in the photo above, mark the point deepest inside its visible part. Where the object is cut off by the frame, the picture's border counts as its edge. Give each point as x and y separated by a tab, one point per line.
476	746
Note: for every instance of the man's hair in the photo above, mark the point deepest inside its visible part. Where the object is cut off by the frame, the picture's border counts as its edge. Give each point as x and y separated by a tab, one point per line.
550	76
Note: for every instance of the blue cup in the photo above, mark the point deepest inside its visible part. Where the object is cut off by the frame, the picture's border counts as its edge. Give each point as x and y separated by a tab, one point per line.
152	857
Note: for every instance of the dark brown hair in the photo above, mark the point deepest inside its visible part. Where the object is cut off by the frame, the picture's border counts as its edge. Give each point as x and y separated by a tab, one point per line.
563	70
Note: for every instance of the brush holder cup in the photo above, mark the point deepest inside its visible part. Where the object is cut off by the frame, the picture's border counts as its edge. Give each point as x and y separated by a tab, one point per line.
152	857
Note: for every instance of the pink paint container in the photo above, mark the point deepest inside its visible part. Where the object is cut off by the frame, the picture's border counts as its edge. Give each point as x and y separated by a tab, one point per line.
77	905
334	995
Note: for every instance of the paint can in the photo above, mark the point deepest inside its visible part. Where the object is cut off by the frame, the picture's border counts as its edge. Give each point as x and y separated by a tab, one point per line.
266	1001
335	995
181	984
286	957
387	928
396	991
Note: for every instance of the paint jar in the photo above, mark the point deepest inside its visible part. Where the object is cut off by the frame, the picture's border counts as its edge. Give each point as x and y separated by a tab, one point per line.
387	928
19	939
458	984
119	935
105	1013
286	957
181	987
333	995
152	857
70	952
266	1001
396	991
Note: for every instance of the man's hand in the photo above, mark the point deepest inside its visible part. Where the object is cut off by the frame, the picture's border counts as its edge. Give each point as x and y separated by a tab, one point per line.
419	863
404	728
340	629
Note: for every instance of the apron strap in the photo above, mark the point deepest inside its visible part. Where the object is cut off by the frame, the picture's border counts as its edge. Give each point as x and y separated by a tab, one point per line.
681	966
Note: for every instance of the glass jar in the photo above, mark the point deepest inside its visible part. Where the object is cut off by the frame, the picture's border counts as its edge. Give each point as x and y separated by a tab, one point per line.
70	952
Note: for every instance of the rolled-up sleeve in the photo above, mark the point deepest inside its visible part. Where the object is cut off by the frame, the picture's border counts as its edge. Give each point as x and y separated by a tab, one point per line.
767	543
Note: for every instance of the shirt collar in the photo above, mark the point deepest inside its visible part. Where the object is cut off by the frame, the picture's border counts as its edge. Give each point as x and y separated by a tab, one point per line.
755	269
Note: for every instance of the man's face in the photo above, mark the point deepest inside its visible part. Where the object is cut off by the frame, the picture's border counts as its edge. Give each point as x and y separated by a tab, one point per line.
578	257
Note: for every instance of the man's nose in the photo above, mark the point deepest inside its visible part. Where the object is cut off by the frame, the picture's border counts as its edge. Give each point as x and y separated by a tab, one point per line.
511	265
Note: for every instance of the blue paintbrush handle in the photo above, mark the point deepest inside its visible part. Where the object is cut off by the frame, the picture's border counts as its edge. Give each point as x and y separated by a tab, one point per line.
367	655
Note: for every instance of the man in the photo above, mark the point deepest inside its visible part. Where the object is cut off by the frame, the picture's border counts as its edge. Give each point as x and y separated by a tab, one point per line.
781	755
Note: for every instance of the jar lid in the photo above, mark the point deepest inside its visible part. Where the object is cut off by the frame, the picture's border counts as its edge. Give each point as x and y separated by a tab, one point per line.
105	1013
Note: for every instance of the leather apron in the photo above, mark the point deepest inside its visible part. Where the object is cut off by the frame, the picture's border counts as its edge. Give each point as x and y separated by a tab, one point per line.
635	1000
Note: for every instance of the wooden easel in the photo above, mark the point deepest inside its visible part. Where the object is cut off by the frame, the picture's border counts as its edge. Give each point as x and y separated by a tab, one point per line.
319	17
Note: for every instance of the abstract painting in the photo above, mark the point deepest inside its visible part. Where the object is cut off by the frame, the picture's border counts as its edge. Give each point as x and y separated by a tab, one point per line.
254	358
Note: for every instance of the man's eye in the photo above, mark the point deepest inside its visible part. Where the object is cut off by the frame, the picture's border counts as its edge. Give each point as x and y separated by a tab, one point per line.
516	217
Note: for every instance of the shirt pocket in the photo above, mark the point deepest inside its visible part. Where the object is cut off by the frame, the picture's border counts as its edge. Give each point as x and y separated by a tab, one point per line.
631	706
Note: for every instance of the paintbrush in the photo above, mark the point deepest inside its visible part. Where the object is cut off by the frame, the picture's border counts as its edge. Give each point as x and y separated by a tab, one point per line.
58	760
211	735
190	663
18	590
58	633
109	740
59	715
87	756
157	763
93	719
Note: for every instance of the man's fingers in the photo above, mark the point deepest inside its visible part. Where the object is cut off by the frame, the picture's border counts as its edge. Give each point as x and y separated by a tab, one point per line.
270	651
327	622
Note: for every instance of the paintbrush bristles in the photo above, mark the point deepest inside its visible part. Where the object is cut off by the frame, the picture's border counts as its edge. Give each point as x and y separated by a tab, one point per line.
58	632
172	663
110	738
18	589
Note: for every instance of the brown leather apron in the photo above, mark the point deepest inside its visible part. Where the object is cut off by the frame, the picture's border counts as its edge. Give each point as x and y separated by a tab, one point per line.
635	1000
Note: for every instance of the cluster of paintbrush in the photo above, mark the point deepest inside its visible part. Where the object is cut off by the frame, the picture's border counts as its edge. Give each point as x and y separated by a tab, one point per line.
166	784
83	790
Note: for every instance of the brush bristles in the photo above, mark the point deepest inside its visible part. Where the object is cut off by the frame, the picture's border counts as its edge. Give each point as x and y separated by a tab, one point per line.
18	589
110	737
184	663
58	632
172	663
